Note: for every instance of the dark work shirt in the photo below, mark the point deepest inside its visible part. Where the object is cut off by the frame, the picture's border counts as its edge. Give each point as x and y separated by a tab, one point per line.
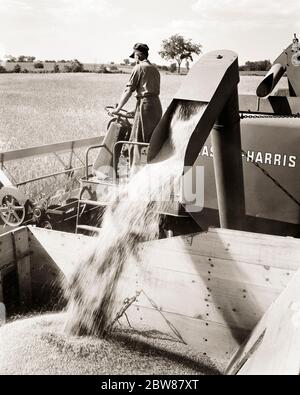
144	80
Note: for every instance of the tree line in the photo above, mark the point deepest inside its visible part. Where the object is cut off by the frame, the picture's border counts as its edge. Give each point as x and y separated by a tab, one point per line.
260	65
71	66
176	48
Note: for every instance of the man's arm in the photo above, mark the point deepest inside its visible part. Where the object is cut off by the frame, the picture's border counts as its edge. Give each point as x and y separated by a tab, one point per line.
123	100
130	88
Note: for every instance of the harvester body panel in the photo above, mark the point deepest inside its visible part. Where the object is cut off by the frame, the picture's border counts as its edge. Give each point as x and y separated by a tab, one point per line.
271	154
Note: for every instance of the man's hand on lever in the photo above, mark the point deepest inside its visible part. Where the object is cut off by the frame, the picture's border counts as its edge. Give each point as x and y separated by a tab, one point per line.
123	100
114	112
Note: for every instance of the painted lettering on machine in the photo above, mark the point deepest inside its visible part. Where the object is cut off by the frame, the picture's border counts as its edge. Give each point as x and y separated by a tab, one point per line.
263	158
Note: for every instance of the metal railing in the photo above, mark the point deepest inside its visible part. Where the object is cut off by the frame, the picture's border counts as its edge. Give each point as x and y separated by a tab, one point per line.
93	147
116	145
66	146
132	143
70	145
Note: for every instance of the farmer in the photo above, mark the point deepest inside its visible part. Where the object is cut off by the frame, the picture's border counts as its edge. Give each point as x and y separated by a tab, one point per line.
145	81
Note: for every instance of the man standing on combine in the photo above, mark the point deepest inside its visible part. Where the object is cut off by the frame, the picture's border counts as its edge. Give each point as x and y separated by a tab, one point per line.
145	81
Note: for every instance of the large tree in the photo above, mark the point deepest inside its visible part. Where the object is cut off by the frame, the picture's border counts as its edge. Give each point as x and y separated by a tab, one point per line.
179	48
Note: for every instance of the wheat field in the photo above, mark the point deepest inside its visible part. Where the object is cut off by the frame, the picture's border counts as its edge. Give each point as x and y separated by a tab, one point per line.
45	108
37	109
40	109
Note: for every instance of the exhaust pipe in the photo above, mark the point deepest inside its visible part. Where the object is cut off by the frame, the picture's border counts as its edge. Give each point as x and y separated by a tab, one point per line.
288	61
271	80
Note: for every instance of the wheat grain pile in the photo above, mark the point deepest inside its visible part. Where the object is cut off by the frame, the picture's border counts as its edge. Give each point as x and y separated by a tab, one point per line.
39	345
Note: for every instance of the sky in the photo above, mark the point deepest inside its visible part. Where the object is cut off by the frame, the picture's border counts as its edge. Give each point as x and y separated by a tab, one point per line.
106	30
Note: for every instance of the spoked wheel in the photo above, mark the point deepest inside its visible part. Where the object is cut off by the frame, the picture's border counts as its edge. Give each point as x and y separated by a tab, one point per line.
12	207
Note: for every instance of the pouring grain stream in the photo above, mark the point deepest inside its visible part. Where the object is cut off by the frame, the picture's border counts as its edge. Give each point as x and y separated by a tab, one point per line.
131	219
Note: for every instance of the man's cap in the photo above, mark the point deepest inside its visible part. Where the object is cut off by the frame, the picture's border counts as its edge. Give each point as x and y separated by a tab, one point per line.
141	48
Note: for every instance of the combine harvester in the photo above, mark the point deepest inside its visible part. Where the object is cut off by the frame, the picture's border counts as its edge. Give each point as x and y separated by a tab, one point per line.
228	282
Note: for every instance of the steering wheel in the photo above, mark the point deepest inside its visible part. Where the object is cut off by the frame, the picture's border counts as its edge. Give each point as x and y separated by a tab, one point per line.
122	113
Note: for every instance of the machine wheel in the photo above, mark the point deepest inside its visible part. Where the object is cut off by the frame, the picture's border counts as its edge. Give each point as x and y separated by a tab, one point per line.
12	206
